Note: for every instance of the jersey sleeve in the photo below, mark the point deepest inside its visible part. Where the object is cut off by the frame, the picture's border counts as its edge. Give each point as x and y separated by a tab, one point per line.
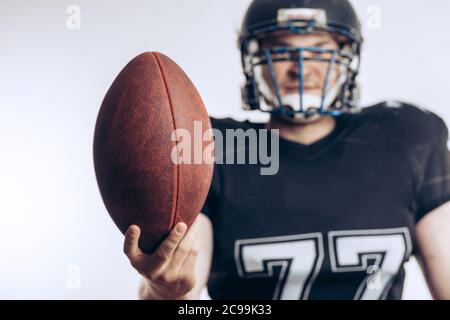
435	187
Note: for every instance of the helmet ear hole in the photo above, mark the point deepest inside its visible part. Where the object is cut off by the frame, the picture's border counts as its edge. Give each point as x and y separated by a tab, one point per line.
250	96
356	93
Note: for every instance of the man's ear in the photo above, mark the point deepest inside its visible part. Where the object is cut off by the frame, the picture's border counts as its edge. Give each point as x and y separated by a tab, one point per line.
261	43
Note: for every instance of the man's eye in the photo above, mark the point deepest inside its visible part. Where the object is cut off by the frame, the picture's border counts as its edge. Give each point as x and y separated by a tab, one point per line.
281	56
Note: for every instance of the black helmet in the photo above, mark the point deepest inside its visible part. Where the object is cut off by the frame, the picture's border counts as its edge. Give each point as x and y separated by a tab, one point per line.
265	17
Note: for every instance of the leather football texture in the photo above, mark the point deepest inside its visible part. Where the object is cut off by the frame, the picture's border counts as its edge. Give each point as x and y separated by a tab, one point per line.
133	144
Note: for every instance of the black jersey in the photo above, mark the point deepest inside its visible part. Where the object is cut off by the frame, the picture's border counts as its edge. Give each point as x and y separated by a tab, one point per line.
337	220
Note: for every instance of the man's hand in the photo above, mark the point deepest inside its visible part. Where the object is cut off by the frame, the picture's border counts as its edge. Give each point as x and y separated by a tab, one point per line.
169	271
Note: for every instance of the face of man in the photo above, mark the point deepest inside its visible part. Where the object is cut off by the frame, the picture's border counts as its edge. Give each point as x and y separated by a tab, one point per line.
314	72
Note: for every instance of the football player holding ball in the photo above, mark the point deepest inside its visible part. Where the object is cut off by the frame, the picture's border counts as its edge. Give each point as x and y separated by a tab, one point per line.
358	190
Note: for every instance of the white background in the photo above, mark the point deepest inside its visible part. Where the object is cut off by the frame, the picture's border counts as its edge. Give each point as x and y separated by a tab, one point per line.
54	227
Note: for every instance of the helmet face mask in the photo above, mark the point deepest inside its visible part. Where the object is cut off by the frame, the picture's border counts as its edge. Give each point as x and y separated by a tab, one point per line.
261	90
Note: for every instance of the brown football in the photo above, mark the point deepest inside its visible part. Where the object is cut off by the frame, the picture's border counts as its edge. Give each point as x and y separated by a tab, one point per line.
138	180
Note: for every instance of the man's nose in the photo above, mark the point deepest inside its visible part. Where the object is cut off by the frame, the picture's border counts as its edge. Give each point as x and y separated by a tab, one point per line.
294	70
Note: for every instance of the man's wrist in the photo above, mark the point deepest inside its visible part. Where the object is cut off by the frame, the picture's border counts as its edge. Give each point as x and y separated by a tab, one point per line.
149	292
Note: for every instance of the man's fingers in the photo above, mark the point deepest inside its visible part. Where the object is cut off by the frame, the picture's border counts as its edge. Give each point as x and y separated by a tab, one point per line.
169	245
185	246
189	267
189	263
131	243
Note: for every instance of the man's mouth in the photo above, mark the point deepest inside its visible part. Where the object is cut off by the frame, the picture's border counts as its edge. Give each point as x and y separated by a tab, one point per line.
305	88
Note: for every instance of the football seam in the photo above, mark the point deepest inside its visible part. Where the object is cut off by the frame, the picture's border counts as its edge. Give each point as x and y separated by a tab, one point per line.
177	174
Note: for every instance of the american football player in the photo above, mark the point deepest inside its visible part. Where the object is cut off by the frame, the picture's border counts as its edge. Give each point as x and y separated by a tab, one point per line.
358	192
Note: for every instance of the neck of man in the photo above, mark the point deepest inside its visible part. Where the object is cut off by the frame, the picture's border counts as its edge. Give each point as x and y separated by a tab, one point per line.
305	133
